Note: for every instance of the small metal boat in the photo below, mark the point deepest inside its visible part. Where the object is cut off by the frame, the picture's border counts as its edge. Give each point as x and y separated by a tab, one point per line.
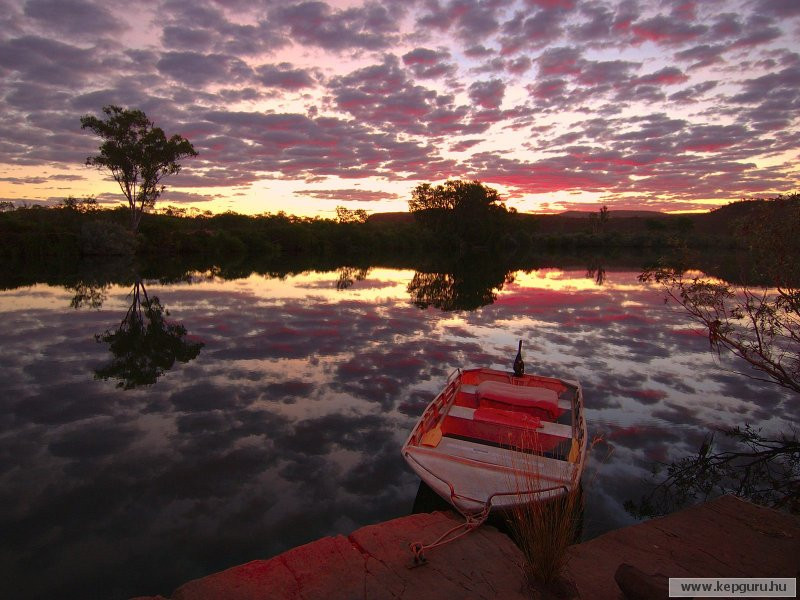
493	439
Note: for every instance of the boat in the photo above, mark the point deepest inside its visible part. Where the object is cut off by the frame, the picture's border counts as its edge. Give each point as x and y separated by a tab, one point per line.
492	439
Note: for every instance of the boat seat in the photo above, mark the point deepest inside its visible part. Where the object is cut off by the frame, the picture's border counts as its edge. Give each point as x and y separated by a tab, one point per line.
507	418
495	394
462	414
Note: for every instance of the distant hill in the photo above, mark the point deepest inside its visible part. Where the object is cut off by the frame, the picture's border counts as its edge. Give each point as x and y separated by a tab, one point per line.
407	217
719	222
620	214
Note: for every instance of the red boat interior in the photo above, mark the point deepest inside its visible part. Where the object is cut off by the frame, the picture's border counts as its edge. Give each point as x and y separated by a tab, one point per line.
510	412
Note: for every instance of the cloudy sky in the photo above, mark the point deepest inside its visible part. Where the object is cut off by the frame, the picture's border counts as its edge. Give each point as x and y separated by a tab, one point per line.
303	106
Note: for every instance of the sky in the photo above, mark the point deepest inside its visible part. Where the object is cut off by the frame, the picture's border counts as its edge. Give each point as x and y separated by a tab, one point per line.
301	107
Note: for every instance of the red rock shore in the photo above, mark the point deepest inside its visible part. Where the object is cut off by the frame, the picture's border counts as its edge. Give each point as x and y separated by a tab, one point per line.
726	537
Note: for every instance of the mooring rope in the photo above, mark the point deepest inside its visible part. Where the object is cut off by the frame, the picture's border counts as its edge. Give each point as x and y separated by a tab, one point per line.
471	523
471	520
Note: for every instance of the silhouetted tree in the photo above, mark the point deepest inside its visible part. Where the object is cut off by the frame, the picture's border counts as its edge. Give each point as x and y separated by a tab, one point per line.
78	204
138	154
596	271
599	220
345	215
88	294
467	212
456	195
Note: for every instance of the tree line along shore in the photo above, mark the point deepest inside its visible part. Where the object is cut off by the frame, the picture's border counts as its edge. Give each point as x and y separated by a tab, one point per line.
458	220
75	230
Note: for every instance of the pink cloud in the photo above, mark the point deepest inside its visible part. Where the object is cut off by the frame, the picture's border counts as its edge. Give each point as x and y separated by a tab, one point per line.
351	194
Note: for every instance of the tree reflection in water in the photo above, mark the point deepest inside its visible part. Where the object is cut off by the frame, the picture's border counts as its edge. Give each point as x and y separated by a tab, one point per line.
596	271
761	327
88	295
761	469
145	345
349	275
462	289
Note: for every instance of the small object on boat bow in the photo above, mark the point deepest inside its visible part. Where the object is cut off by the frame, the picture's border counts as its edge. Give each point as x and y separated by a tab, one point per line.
519	366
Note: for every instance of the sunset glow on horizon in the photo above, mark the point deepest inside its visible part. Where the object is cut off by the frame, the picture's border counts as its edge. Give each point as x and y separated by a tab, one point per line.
669	105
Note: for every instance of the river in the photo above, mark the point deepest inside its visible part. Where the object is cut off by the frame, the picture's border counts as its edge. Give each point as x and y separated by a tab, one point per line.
278	416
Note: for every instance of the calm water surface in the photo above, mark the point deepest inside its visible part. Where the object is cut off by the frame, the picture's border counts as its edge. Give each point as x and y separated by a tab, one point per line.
287	425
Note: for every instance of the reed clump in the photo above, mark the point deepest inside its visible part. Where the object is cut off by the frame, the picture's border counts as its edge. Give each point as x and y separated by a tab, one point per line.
543	529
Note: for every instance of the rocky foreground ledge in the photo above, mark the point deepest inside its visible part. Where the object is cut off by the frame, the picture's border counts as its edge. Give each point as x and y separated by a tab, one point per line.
726	537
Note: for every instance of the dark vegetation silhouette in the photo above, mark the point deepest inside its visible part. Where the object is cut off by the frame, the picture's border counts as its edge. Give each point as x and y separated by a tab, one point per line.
33	237
466	216
37	243
742	461
346	215
596	270
138	155
762	328
599	219
70	245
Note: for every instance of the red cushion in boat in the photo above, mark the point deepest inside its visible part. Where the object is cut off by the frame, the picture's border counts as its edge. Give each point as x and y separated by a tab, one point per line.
506	418
493	392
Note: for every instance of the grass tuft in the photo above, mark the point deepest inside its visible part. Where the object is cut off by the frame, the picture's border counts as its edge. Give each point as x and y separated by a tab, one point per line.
544	529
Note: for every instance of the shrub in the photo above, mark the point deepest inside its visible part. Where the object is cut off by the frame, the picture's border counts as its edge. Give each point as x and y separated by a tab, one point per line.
104	238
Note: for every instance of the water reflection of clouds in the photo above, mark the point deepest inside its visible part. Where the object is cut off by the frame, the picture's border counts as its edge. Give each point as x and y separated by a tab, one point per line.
288	425
642	365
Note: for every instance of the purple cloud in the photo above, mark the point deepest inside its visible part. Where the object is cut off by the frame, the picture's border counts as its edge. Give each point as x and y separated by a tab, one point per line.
778	8
666	31
197	69
384	89
428	64
521	31
351	194
283	76
472	19
371	26
488	94
187	38
75	17
703	55
560	61
39	59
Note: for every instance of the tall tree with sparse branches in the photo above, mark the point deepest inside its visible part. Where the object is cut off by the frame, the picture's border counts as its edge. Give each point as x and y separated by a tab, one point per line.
138	154
760	325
